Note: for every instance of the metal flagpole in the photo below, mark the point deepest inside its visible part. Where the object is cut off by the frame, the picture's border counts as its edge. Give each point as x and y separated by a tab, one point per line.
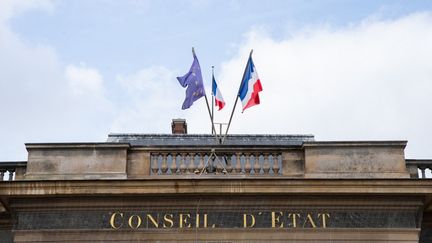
213	150
235	103
211	118
212	110
208	108
213	130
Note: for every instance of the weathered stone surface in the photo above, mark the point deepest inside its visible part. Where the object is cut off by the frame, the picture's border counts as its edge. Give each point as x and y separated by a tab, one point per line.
76	161
5	227
231	218
138	164
293	163
6	236
70	193
225	236
426	228
355	160
216	185
63	208
350	219
155	140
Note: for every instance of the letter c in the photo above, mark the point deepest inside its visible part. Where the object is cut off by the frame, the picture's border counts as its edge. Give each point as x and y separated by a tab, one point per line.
113	219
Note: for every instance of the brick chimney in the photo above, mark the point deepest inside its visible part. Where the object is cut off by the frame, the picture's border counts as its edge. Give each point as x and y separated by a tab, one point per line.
179	126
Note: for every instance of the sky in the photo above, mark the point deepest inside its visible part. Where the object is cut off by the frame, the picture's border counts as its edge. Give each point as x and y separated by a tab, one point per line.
75	71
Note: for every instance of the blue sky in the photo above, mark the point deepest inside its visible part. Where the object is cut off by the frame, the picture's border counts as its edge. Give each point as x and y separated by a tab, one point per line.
127	35
341	70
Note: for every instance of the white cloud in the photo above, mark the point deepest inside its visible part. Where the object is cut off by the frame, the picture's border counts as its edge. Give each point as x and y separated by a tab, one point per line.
84	81
370	81
37	103
10	8
155	97
149	81
367	81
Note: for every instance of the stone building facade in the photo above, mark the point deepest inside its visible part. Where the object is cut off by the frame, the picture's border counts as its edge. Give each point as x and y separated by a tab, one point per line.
189	188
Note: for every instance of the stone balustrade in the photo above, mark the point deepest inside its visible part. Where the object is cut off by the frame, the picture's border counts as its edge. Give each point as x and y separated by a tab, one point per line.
240	163
419	168
312	160
10	171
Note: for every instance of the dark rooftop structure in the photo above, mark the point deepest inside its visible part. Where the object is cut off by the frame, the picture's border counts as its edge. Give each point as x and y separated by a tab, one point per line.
209	140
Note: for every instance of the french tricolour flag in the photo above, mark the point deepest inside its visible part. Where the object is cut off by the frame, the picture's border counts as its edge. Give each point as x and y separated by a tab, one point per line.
217	95
250	86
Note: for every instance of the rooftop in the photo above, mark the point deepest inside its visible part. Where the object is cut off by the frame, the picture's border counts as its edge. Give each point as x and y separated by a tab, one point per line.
208	139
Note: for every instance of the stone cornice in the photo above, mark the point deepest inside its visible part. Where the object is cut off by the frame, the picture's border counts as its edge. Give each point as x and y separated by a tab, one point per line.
75	145
355	143
238	186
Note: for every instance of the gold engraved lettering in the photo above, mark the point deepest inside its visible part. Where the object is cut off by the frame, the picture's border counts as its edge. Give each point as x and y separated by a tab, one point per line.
324	219
154	222
168	218
138	221
275	219
294	217
184	220
309	218
245	220
113	219
206	222
278	220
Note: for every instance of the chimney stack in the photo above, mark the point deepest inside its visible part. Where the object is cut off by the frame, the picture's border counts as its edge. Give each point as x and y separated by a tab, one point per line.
179	126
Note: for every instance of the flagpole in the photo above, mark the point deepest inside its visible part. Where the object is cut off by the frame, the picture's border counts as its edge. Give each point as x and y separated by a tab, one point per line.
208	108
211	118
212	110
235	103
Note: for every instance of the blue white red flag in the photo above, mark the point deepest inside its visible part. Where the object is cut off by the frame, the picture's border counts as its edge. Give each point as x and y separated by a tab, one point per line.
219	101
250	86
194	82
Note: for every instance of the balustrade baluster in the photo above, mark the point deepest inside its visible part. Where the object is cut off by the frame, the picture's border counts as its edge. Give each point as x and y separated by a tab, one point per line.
178	162
266	164
191	165
217	163
173	165
256	165
271	163
154	164
229	167
2	173
243	163
211	166
249	163
247	166
252	163
164	163
11	174
207	162
423	172
238	167
276	167
182	163
261	162
201	162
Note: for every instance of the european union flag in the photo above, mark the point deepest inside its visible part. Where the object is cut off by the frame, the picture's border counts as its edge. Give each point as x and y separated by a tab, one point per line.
194	82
